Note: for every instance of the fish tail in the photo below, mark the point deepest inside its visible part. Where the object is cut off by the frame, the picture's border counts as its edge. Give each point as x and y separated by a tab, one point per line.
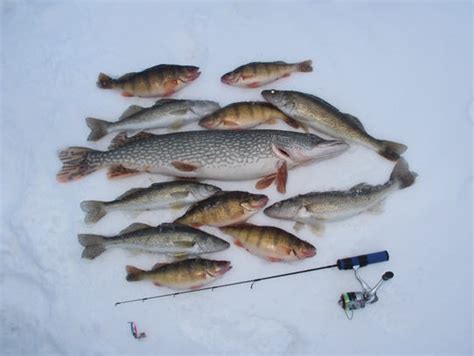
98	128
76	163
306	66
134	274
402	174
104	81
93	245
391	150
95	210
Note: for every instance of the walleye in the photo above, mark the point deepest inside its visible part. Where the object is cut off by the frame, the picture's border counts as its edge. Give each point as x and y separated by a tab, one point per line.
256	74
188	274
213	154
325	118
270	242
171	239
160	80
318	207
175	194
164	113
223	208
245	115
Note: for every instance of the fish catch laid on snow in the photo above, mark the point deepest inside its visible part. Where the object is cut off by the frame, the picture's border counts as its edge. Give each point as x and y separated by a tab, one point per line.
223	208
245	115
326	119
174	194
160	80
171	239
165	113
256	74
212	154
318	207
270	242
186	274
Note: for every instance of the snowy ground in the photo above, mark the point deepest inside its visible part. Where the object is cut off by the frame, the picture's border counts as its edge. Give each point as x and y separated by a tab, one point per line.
404	69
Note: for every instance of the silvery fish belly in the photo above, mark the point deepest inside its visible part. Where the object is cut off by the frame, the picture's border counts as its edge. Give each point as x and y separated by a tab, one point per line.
224	155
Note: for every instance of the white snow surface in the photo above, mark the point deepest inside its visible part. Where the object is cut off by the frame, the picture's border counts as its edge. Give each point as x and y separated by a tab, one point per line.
405	69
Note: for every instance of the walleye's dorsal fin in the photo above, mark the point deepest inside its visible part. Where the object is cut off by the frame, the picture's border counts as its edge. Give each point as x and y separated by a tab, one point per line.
127	76
165	101
132	109
134	227
355	121
122	139
360	186
120	172
128	192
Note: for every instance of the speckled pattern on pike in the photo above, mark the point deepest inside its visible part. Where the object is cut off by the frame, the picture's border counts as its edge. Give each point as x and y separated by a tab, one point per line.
160	80
213	154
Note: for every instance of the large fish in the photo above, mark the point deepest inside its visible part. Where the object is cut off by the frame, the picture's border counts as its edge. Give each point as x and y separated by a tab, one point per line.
171	239
270	242
174	194
160	80
245	115
187	274
256	74
171	113
213	154
223	208
325	118
318	207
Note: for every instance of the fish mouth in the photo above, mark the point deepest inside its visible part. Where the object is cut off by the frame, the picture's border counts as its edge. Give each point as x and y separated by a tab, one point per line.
230	78
223	267
209	123
259	203
192	75
306	253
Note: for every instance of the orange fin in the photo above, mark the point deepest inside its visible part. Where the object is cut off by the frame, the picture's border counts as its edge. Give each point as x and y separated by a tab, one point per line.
265	181
121	172
122	139
282	177
253	85
238	243
157	284
274	259
230	122
185	167
196	287
133	273
292	122
127	94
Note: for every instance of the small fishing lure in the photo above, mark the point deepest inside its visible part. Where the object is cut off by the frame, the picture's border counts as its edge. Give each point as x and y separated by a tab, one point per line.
134	330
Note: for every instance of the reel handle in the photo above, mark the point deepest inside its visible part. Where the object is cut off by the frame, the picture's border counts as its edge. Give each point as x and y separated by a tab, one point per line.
362	260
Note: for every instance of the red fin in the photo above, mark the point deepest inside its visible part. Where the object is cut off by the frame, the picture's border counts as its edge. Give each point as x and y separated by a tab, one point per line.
127	94
185	167
285	75
265	181
253	85
274	259
230	122
122	139
121	172
282	177
157	284
196	287
238	243
196	225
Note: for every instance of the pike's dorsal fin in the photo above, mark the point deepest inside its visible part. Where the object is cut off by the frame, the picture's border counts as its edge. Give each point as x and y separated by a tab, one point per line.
121	139
134	227
132	109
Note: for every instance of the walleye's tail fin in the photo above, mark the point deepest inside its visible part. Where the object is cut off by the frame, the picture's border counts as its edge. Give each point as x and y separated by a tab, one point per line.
98	128
95	210
306	66
76	164
402	174
104	81
391	150
134	274
93	245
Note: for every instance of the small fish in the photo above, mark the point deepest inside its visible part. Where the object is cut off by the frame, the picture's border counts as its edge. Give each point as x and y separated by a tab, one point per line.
172	113
318	207
173	194
212	154
223	208
256	74
245	115
171	239
160	80
270	242
325	118
187	274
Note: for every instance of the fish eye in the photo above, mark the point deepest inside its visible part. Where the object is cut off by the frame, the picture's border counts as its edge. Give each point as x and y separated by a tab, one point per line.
272	91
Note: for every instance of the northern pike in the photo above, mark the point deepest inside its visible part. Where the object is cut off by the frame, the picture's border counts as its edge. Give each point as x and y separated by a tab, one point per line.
172	113
316	208
256	74
187	274
223	208
270	242
160	80
327	119
174	194
213	154
171	239
245	115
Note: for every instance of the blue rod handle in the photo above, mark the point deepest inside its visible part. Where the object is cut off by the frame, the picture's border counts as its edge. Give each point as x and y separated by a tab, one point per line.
362	260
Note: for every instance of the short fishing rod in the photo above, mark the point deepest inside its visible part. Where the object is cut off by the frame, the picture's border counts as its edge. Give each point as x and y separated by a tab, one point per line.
350	301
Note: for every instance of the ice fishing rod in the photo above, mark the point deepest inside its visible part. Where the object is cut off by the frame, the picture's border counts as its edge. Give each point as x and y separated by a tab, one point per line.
351	301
